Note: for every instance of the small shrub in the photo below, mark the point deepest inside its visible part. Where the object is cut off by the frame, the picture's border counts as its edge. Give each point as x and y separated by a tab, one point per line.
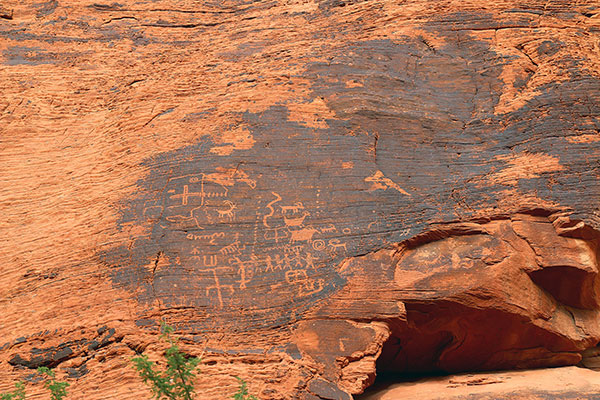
242	393
17	394
176	382
58	390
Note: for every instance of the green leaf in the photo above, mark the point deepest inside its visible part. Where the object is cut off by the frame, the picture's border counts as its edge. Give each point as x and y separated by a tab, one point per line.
20	391
45	371
17	394
159	384
58	390
166	331
242	393
177	380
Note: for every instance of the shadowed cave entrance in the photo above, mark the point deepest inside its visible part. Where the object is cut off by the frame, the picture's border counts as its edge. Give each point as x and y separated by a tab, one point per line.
529	299
443	337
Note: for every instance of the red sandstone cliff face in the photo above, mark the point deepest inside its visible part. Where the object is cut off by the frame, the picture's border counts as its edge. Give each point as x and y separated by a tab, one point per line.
310	192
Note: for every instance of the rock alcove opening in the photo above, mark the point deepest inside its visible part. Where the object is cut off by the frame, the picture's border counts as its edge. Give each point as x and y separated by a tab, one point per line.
441	338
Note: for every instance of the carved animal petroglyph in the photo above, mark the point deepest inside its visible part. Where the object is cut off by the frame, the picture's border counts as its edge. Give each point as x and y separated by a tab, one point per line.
303	235
228	212
296	221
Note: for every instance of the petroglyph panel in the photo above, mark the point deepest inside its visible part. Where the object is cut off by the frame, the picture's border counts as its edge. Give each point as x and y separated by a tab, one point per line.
266	223
245	169
228	242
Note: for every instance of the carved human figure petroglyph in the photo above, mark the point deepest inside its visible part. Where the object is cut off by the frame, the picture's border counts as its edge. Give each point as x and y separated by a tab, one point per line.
245	270
270	265
309	261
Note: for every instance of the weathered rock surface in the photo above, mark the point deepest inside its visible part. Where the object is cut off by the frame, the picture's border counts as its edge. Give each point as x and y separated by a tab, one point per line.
566	383
312	193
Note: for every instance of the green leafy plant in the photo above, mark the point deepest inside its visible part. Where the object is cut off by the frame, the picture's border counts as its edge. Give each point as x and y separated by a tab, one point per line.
242	393
58	390
176	382
17	394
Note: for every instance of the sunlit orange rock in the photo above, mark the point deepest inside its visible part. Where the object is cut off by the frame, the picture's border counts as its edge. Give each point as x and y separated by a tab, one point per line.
567	383
314	194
